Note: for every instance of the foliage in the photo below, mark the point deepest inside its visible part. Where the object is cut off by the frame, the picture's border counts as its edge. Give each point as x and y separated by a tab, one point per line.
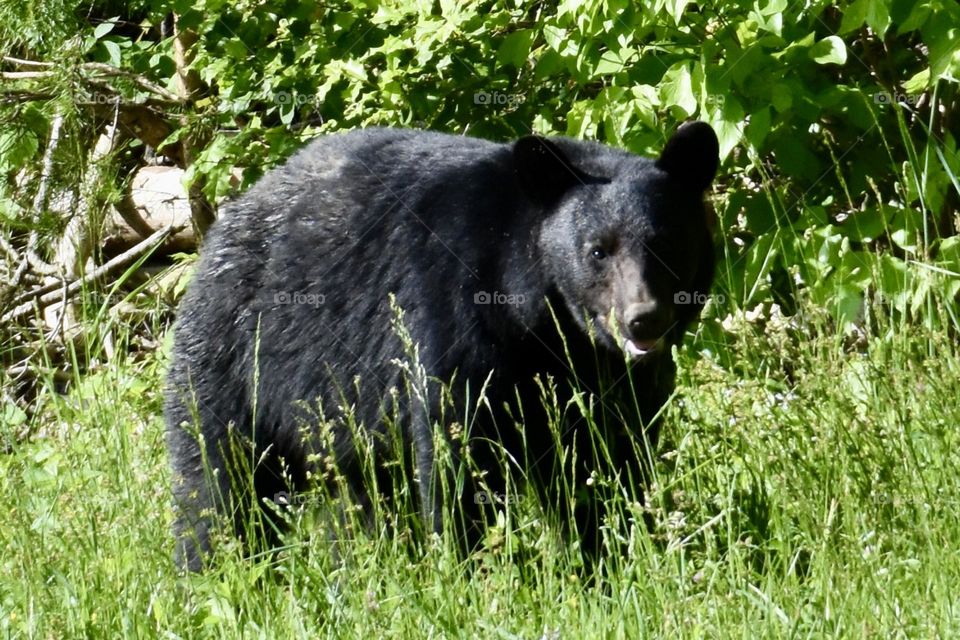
838	122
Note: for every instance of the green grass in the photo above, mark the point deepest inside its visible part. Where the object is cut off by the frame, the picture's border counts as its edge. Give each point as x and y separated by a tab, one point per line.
804	489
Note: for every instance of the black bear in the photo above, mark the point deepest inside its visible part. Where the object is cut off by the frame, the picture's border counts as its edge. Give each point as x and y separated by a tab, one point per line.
545	259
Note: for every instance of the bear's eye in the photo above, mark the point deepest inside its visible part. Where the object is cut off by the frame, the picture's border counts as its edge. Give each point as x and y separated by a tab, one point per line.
598	253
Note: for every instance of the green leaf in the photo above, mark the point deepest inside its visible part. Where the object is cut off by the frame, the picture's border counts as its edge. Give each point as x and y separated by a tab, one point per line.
830	50
942	36
904	239
554	36
17	146
287	111
759	214
781	98
12	416
644	104
515	48
918	82
609	63
676	8
581	120
774	7
848	302
948	254
866	225
104	28
891	277
854	16
758	128
728	124
113	50
919	12
761	256
676	89
878	16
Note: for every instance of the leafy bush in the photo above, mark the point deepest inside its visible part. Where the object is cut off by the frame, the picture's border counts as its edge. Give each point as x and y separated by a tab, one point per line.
838	121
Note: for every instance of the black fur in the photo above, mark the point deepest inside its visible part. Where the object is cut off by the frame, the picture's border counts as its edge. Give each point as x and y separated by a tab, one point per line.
290	303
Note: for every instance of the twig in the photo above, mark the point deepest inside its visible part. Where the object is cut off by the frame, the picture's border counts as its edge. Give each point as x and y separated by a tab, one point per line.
39	265
24	96
137	79
97	67
25	75
128	211
36	293
40	202
60	322
11	97
26	369
9	250
46	173
20	62
103	270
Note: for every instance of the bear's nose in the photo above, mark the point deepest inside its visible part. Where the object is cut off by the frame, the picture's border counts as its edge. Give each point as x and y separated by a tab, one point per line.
646	320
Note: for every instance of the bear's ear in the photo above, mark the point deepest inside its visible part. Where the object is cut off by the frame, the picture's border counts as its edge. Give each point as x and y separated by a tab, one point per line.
692	155
543	170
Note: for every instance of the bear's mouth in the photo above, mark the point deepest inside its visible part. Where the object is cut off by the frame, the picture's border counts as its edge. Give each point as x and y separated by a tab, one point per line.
635	349
638	349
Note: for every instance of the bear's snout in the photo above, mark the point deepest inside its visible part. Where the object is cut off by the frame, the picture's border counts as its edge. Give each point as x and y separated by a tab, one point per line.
647	321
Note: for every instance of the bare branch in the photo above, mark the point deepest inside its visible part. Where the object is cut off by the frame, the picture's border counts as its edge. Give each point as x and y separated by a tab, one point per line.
46	172
104	270
9	250
24	96
128	211
20	62
137	79
99	68
39	204
25	75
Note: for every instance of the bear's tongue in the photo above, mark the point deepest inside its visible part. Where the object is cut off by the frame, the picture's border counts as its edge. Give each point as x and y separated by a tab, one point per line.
638	348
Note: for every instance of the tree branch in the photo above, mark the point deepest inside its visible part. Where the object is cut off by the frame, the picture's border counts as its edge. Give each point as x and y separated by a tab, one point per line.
106	269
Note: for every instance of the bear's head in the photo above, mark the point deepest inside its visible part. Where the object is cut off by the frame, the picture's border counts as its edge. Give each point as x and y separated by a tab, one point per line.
626	241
